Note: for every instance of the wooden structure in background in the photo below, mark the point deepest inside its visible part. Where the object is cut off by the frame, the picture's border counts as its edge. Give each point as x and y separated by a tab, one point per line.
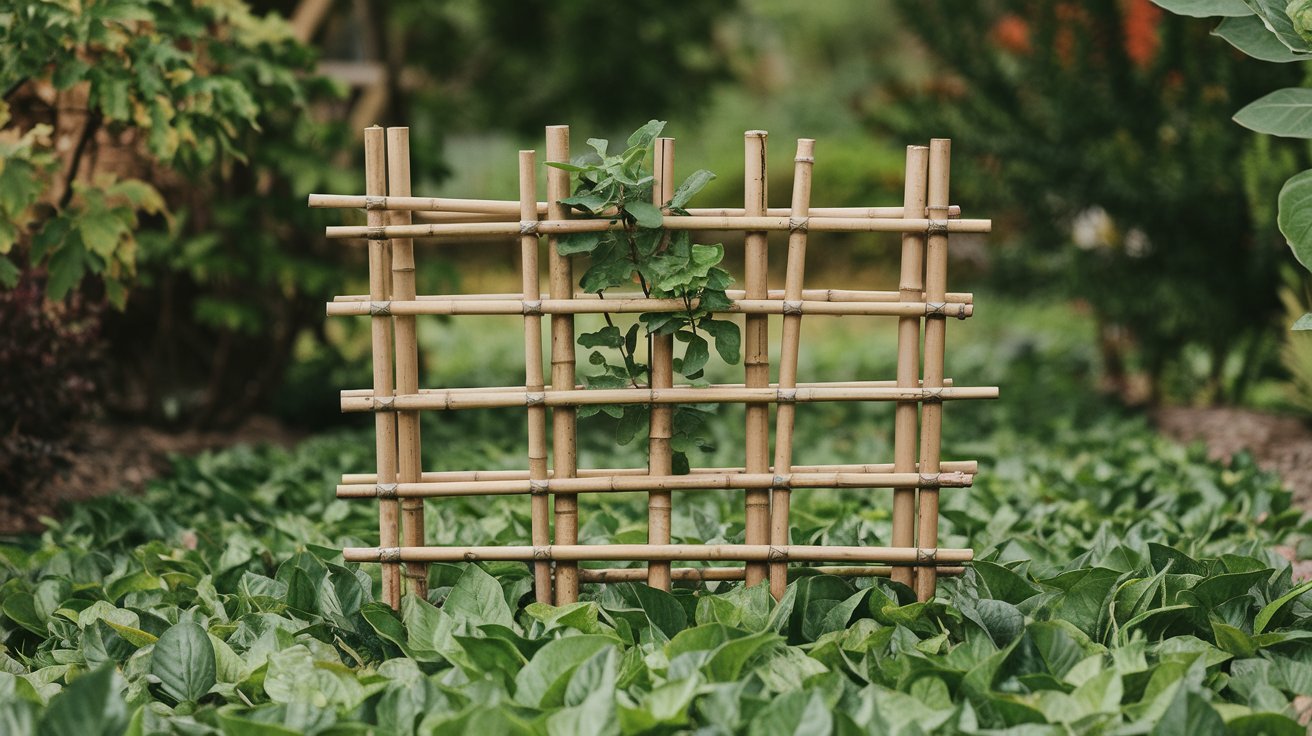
916	472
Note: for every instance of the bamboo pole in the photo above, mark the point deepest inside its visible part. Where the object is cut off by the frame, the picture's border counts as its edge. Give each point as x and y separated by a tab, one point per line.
813	295
410	465
454	400
780	495
720	574
661	424
969	467
512	208
650	483
931	427
906	417
365	392
756	347
748	223
564	435
755	306
375	166
540	506
562	553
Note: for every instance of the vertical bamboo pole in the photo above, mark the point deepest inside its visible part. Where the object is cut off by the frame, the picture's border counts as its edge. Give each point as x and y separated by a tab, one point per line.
659	458
537	413
936	276
911	287
756	346
407	358
783	433
563	427
375	185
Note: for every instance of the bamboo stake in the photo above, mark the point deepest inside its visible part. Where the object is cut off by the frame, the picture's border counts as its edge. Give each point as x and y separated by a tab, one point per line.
512	208
454	400
719	574
365	392
906	416
640	306
537	415
756	346
661	424
936	275
564	434
780	496
748	223
813	295
969	467
639	552
410	465
375	166
665	483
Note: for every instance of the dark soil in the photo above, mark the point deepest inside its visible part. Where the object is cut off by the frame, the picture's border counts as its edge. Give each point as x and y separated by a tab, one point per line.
107	458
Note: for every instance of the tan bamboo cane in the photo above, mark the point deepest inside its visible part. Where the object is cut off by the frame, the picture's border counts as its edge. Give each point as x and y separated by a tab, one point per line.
719	574
375	168
752	223
649	483
438	476
931	415
564	430
562	553
812	295
780	496
540	505
409	463
756	347
906	419
661	425
641	306
366	392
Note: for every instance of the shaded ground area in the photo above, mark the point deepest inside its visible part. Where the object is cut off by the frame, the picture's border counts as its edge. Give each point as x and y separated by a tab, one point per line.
1279	443
108	458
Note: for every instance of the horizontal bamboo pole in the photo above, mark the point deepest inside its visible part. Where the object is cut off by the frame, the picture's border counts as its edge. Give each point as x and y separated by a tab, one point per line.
814	295
447	400
626	484
436	476
511	208
356	392
642	306
730	224
648	552
717	574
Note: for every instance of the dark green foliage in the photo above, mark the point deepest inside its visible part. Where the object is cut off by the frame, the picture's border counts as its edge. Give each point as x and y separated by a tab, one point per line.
1071	109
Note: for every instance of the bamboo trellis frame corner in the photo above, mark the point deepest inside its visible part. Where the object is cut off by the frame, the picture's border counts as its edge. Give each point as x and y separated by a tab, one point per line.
921	306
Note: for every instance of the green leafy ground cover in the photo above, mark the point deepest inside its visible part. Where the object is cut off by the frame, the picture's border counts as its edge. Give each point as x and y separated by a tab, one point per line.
1124	585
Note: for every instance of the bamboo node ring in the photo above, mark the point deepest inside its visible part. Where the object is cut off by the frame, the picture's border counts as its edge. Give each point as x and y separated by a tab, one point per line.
384	403
377	232
792	307
389	554
931	480
535	398
380	309
782	481
937	227
538	487
533	307
804	159
375	203
528	227
927	554
777	554
787	396
385	490
798	224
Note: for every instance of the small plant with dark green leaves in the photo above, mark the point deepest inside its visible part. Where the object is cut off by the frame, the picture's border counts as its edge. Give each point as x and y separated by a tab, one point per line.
665	264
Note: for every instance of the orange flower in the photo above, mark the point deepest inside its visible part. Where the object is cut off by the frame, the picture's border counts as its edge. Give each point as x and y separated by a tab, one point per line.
1140	28
1012	33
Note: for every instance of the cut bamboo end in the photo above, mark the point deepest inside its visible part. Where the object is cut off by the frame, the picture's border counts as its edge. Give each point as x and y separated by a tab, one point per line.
648	552
726	574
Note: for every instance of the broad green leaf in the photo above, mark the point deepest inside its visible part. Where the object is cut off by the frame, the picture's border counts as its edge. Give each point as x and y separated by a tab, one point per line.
9	273
1273	612
546	676
728	338
1250	35
183	660
1275	17
1285	112
607	337
572	243
1304	323
91	705
690	187
1206	8
728	660
477	598
642	137
695	356
1295	217
645	213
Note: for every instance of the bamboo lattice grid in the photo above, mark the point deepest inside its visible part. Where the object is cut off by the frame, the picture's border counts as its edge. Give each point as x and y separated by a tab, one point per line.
925	221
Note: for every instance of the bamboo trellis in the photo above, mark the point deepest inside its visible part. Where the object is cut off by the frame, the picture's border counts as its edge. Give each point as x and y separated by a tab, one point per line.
915	475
